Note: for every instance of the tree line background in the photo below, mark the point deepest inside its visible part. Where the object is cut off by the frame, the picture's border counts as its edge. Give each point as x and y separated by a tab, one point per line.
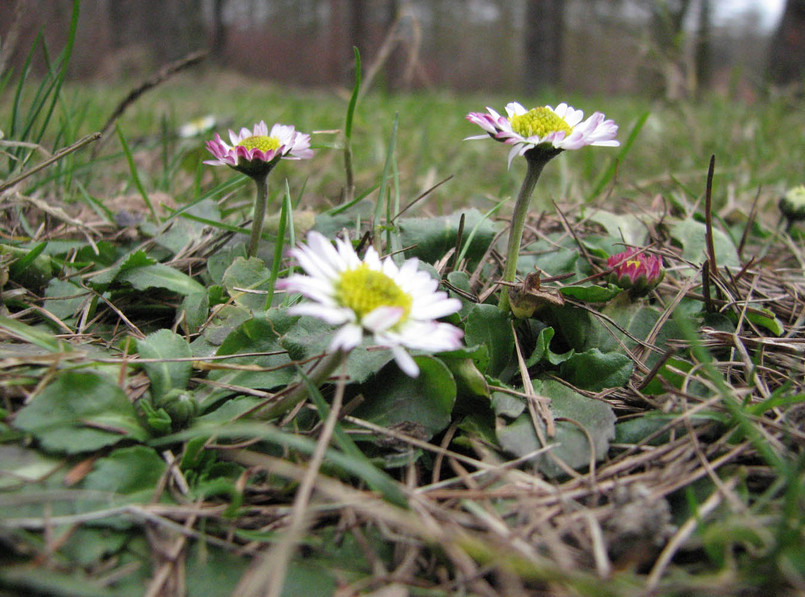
669	48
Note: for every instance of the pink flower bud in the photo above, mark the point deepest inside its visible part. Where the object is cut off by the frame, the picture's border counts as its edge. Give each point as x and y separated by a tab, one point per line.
635	271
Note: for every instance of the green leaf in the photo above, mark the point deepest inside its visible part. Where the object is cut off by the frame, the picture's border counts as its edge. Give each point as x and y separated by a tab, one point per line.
469	380
542	350
27	580
555	256
431	238
310	337
595	370
258	335
64	298
90	546
166	374
158	420
227	318
507	405
131	261
690	234
179	232
79	412
628	228
591	294
219	262
23	465
196	309
635	430
125	476
489	326
570	443
160	275
583	331
271	434
33	335
767	319
244	275
393	398
133	472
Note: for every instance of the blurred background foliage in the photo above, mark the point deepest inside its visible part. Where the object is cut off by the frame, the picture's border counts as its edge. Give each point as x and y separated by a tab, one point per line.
664	48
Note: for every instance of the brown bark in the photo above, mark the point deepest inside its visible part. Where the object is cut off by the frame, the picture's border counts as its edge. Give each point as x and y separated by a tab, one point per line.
544	34
787	53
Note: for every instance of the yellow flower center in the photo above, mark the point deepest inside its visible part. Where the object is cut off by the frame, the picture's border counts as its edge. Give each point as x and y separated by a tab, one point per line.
363	290
539	121
261	142
633	262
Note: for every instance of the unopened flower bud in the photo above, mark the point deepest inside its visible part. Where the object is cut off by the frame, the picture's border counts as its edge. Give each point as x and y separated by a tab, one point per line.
792	204
636	272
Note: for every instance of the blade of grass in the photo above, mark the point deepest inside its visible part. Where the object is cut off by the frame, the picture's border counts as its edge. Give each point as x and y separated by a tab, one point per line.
376	482
33	335
96	204
345	206
477	227
349	187
50	87
360	467
353	101
728	400
15	117
278	246
54	158
134	175
606	175
382	199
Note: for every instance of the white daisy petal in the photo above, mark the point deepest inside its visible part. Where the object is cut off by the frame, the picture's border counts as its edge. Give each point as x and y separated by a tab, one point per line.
347	337
332	316
382	318
405	361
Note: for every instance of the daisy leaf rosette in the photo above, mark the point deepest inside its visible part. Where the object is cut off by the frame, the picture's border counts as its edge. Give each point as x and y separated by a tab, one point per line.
545	128
397	306
255	152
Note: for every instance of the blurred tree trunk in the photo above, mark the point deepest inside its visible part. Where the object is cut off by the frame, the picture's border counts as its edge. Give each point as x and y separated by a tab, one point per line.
359	26
787	54
704	66
667	36
218	44
169	30
544	34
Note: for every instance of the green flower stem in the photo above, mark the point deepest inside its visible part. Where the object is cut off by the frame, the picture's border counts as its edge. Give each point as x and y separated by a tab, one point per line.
536	162
260	203
316	377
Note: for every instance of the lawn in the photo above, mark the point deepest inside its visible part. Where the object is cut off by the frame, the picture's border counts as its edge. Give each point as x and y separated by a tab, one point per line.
169	421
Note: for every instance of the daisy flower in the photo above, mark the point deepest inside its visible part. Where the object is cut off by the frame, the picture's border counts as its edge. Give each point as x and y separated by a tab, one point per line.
557	128
257	151
396	306
539	135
